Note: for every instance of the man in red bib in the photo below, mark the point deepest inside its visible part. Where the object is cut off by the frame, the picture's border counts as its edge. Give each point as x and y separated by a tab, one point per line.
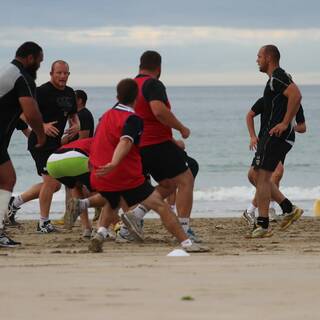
117	169
162	158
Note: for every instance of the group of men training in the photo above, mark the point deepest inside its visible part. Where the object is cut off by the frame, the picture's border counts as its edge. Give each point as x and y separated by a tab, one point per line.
133	141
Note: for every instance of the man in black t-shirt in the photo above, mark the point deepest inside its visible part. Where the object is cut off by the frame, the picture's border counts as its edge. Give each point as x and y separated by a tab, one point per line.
17	95
300	127
57	104
85	116
281	103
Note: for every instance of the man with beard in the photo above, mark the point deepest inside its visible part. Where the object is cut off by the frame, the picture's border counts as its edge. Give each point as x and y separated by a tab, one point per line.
282	100
17	95
57	104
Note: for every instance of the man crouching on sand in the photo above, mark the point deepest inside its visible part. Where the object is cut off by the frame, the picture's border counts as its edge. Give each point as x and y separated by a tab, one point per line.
117	170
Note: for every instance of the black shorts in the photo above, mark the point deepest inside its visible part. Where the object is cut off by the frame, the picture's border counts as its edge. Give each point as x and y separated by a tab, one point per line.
131	196
71	182
270	151
163	161
40	158
193	165
5	138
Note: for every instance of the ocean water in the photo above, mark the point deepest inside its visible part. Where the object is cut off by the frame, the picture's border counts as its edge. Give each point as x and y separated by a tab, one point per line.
219	141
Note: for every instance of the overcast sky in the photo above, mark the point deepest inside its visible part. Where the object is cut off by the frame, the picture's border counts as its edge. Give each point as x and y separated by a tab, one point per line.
204	42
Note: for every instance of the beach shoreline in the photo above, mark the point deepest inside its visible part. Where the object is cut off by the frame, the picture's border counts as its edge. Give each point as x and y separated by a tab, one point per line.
54	275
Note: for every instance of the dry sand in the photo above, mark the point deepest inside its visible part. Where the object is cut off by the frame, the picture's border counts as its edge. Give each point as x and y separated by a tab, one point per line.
54	277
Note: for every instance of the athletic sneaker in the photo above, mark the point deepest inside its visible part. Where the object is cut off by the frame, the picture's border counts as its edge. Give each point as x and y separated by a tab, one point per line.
111	233
46	227
133	224
249	217
289	218
96	243
124	235
72	214
273	217
12	210
259	232
196	248
6	242
191	235
87	233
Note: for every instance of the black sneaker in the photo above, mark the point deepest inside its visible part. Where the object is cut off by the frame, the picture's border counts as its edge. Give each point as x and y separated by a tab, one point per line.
6	242
12	210
46	227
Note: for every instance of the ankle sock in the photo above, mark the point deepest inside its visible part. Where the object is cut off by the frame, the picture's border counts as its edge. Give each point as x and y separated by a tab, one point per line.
140	211
103	231
84	204
286	206
17	202
184	223
43	220
263	222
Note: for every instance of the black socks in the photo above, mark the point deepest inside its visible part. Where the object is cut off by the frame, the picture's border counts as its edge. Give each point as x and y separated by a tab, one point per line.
286	206
263	222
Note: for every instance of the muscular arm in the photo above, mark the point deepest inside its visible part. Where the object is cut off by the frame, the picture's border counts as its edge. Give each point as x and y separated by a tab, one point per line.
250	125
33	117
166	117
294	99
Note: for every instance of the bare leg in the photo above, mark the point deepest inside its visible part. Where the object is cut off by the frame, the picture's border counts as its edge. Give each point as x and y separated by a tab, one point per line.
96	201
169	219
166	187
49	187
184	197
77	192
108	216
7	176
277	174
264	192
32	193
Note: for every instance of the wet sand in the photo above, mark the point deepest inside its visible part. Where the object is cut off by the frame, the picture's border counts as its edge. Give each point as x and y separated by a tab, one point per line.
53	276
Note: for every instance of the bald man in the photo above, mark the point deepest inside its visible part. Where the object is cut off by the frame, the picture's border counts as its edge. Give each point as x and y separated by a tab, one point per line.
57	104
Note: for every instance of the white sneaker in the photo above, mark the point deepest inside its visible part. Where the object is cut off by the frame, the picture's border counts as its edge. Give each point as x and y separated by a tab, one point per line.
273	217
249	217
96	243
195	247
134	225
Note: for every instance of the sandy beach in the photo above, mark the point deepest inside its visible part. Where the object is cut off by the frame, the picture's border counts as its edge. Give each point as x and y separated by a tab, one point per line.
54	277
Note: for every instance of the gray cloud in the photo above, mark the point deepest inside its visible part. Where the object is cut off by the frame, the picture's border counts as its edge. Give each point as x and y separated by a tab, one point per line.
227	13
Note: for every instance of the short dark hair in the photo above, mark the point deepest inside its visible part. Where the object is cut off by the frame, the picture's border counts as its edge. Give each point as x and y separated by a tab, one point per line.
127	91
80	94
272	51
150	60
28	48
